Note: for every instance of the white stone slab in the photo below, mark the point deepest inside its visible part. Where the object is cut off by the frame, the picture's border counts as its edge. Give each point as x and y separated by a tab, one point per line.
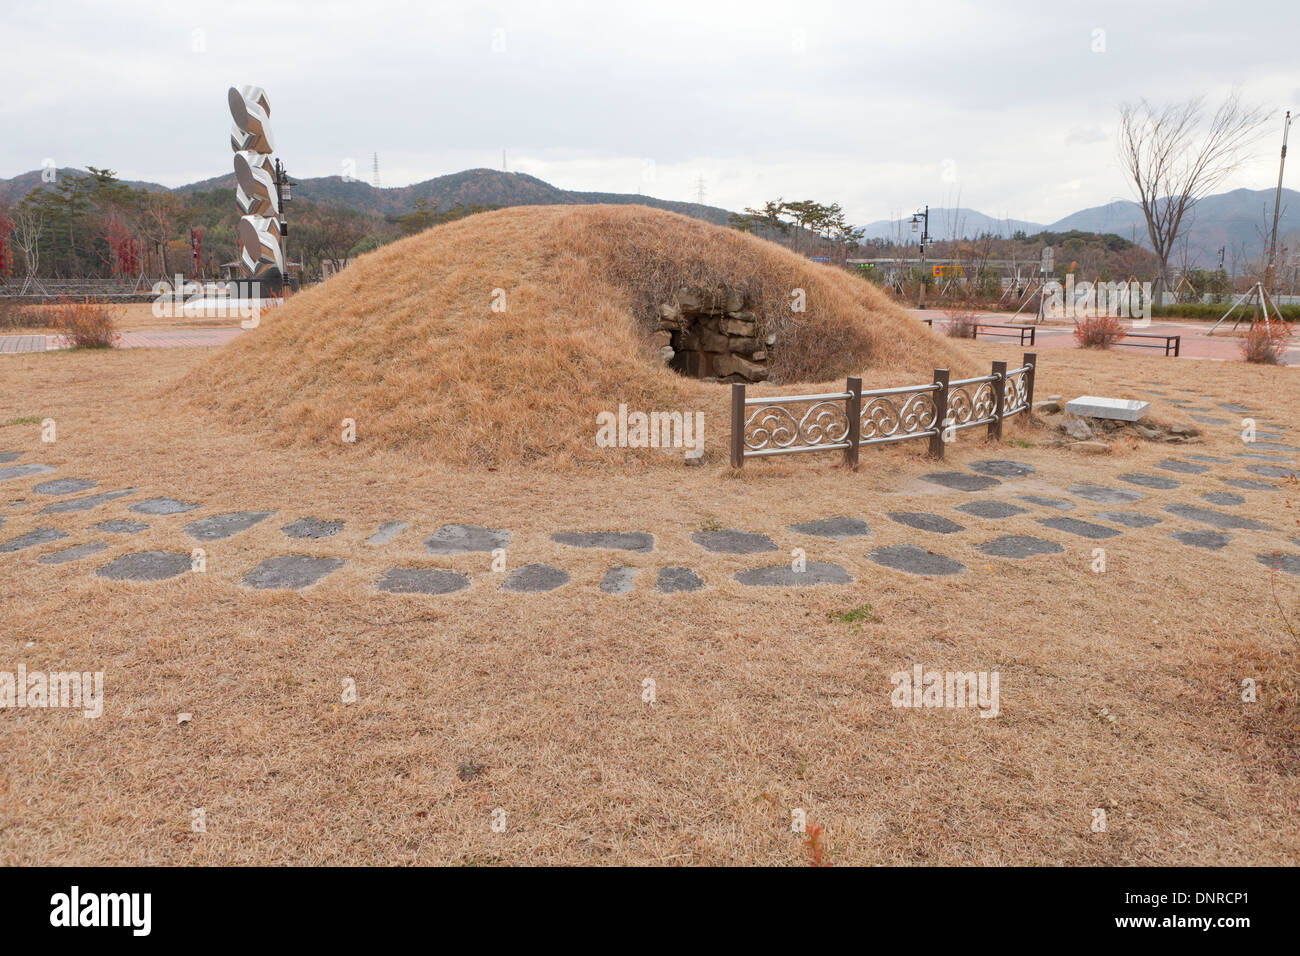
1119	409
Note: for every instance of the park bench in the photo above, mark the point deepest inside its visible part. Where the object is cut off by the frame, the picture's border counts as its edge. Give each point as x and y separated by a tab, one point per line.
1023	332
1170	343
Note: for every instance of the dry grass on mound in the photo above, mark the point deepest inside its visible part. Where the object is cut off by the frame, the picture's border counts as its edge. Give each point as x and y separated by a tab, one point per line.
406	344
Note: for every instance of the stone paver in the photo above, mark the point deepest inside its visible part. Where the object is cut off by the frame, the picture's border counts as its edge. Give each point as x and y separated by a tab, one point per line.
1210	458
534	579
146	566
1273	444
835	528
1129	519
31	539
1181	467
387	532
1276	458
118	526
991	509
312	528
162	506
1210	540
63	486
1250	484
961	481
8	456
291	571
1002	468
465	538
74	553
1019	546
1084	529
23	471
1234	407
611	540
732	541
225	525
672	580
421	581
68	505
1224	498
914	560
1057	503
784	576
1210	420
1150	481
1290	563
618	580
926	522
1218	519
1271	471
1106	496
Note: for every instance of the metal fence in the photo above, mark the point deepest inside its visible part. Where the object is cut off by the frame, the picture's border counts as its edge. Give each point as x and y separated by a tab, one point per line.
846	421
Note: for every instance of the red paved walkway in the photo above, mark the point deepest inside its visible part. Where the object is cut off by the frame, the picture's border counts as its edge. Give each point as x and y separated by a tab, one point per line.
1195	342
143	339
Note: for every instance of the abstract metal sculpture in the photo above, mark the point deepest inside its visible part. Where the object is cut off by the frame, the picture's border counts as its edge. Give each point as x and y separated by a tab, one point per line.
259	178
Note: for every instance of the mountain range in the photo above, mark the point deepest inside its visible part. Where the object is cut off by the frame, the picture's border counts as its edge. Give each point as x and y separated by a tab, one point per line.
1236	221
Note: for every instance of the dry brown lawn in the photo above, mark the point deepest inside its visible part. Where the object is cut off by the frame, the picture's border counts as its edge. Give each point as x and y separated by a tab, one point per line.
533	704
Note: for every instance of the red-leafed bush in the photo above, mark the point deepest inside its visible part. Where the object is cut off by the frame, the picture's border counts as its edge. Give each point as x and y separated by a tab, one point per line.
88	324
1265	343
961	323
1098	332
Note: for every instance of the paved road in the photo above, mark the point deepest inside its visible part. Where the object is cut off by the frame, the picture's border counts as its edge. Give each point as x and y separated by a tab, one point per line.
143	339
1195	342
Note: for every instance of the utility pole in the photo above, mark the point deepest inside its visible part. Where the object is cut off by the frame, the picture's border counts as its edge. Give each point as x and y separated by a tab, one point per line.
1277	204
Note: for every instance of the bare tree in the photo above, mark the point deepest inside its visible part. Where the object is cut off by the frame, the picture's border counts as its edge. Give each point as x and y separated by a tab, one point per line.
1174	158
28	228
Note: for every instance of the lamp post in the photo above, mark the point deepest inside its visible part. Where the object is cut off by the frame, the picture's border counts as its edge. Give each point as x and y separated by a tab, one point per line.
284	189
921	224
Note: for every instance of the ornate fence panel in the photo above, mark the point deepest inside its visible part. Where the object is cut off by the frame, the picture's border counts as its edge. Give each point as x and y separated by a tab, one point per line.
847	420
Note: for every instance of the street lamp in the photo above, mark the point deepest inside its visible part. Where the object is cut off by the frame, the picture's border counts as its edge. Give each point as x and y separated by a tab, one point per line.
284	188
921	224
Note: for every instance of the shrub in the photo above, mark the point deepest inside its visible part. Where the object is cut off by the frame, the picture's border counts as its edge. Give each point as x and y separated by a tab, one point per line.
1265	343
14	315
961	323
88	324
1215	310
1098	332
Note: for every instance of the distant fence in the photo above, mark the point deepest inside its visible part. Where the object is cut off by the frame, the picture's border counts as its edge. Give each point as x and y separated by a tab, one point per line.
846	421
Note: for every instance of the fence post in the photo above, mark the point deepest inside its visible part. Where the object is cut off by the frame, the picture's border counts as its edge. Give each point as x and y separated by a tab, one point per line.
737	425
940	411
1031	359
853	413
999	400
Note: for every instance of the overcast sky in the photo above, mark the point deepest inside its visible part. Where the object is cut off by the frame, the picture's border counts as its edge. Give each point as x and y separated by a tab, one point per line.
1010	107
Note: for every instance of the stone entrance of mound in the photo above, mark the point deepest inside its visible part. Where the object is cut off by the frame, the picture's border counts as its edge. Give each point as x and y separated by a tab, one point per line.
712	334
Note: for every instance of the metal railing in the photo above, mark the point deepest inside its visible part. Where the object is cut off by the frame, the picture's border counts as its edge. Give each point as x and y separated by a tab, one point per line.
847	420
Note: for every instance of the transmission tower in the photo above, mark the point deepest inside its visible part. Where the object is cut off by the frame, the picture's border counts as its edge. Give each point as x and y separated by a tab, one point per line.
700	190
375	174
